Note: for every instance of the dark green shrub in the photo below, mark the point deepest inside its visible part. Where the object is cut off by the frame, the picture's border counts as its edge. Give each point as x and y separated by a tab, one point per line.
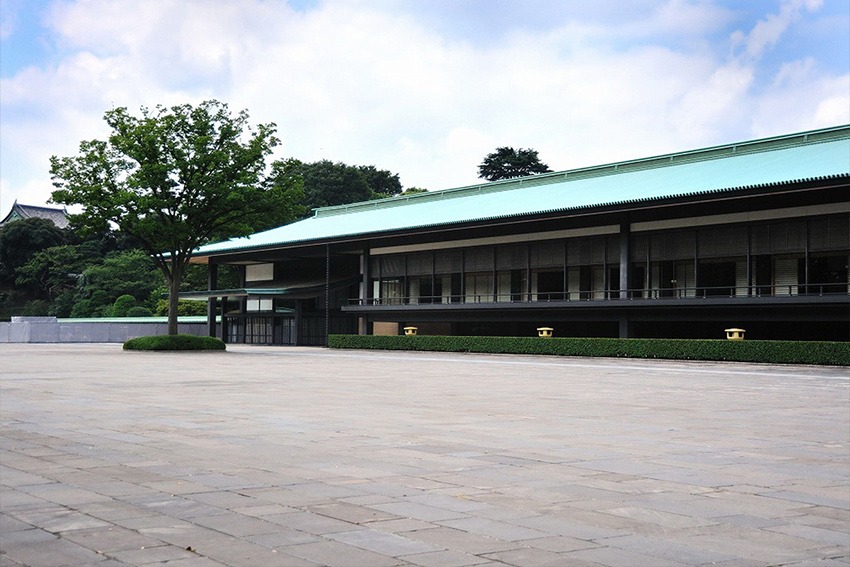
139	311
184	307
122	305
174	342
776	352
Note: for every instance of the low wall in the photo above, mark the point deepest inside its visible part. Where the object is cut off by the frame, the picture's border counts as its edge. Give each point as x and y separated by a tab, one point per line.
53	330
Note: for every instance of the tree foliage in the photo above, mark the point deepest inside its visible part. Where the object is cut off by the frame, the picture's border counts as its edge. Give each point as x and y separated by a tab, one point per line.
52	271
328	183
130	273
381	182
176	178
507	163
21	240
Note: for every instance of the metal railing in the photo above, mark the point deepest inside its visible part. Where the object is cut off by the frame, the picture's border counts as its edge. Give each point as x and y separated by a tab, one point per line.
601	295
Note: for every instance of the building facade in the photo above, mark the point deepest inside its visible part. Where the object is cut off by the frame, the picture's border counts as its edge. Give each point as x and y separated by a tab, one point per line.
59	217
753	235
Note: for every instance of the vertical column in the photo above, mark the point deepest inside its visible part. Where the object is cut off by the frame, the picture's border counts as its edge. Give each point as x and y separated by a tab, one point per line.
327	292
625	275
212	307
625	327
223	320
625	253
296	334
365	271
365	289
749	260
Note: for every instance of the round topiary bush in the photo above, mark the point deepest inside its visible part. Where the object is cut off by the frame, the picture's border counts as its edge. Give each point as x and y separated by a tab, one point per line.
139	311
174	342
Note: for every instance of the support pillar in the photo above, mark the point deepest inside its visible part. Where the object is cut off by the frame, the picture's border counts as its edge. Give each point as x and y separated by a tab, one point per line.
212	302
625	327
327	292
625	253
296	332
223	319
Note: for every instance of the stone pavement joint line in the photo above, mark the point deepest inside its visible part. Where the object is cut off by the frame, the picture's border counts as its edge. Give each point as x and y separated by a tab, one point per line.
305	457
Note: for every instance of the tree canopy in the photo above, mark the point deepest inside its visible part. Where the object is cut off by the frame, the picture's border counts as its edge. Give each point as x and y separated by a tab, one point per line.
328	183
21	240
507	163
176	178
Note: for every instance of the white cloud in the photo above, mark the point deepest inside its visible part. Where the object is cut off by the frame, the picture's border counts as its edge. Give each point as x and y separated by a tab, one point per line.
769	30
374	83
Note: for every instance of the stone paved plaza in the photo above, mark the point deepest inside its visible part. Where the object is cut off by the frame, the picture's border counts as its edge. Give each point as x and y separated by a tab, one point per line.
302	457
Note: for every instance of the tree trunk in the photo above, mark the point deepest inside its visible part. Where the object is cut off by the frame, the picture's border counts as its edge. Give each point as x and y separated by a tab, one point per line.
173	297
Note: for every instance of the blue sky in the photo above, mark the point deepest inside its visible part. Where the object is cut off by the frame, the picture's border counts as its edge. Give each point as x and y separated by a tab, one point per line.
425	88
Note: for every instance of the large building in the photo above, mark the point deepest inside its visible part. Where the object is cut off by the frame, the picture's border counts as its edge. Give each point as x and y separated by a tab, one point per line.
59	217
753	235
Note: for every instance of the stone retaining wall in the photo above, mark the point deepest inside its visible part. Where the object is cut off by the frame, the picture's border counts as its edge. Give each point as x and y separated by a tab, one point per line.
53	330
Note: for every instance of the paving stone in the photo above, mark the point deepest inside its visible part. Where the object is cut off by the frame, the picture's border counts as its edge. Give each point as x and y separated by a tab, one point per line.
447	502
690	551
571	524
32	536
531	459
311	523
65	495
382	542
492	528
150	555
664	519
559	544
14	477
53	553
59	519
611	557
8	524
189	535
446	559
351	513
459	540
236	524
416	511
196	561
247	554
110	539
282	537
402	525
335	554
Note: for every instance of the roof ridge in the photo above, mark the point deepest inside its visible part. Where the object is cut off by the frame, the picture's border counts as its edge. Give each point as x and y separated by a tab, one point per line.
758	145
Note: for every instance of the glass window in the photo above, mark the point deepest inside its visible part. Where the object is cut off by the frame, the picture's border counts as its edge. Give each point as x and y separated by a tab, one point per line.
511	258
448	261
392	265
547	254
478	259
478	287
420	264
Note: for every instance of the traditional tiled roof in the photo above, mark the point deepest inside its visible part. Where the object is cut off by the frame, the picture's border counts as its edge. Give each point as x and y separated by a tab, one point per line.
59	217
818	154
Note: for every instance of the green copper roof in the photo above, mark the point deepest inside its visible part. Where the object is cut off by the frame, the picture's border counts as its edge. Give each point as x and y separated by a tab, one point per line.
760	163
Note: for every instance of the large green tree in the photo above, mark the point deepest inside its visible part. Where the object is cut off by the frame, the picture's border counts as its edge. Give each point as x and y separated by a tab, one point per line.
176	178
52	271
328	183
131	272
507	163
21	240
382	183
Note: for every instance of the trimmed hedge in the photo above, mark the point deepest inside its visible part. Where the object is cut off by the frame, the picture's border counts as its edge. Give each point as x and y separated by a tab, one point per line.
775	352
174	342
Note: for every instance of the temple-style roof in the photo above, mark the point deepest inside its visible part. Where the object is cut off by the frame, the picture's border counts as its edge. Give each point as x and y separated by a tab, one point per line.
764	163
59	217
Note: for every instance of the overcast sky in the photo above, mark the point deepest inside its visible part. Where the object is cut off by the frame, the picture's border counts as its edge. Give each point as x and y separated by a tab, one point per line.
425	88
